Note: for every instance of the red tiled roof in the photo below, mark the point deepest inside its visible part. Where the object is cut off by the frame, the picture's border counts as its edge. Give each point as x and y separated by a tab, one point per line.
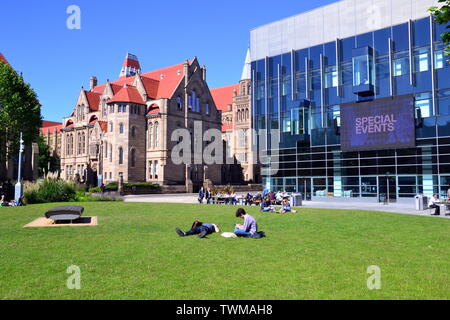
223	96
46	123
151	87
103	125
93	100
50	126
168	78
154	109
3	59
159	84
128	94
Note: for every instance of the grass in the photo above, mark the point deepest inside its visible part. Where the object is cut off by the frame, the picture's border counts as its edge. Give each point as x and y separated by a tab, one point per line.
134	253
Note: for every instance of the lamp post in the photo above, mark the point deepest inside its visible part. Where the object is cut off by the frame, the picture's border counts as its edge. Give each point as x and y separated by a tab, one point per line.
19	187
387	178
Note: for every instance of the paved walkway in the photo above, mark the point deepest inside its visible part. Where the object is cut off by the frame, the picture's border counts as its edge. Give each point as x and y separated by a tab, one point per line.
403	206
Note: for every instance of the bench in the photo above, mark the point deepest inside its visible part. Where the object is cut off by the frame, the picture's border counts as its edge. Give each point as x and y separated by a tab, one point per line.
65	213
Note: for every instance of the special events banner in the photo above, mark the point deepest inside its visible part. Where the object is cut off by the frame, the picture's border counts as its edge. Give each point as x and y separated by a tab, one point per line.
380	124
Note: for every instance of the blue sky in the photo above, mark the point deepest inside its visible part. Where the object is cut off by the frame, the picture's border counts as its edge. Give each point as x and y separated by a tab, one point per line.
57	61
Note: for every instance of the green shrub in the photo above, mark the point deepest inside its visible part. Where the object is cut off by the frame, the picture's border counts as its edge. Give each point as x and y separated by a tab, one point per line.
50	190
94	190
142	185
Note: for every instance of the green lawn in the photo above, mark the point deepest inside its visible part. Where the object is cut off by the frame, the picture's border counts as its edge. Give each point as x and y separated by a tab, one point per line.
135	253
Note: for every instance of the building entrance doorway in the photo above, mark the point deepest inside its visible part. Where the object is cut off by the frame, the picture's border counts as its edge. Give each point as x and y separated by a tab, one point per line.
387	186
305	188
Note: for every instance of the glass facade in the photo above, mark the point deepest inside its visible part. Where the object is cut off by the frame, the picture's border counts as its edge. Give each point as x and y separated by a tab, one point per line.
301	93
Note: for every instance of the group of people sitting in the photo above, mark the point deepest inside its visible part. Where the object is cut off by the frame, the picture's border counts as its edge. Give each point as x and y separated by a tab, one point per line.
267	206
248	230
9	203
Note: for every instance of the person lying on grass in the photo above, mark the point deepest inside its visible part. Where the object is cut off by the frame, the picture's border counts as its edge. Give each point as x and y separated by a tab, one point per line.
200	229
250	227
286	207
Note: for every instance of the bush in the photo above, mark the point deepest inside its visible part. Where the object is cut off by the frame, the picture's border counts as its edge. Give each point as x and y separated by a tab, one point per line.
50	190
142	185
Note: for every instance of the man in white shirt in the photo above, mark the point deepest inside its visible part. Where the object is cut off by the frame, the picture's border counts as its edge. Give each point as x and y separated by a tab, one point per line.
432	204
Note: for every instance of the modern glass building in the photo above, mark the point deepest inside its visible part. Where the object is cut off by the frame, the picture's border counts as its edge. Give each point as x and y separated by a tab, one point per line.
360	93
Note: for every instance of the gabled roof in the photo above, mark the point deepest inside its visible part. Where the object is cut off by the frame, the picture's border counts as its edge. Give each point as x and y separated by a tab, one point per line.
169	78
159	84
223	96
127	94
103	125
93	100
3	59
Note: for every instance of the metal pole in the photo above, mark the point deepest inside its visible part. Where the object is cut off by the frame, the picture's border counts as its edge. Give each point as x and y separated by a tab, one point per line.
387	189
19	188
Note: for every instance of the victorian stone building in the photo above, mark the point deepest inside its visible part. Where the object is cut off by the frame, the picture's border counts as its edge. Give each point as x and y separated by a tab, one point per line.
235	103
125	127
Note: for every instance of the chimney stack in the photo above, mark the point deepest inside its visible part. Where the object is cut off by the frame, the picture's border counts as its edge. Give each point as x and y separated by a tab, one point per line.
204	73
93	82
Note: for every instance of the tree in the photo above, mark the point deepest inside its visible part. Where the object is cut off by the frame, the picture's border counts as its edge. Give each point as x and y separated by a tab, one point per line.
442	16
20	111
47	162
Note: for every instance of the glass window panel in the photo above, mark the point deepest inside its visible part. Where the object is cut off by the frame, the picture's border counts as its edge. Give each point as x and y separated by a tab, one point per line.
314	55
421	34
400	37
423	105
364	40
361	73
401	64
330	53
331	77
381	38
347	45
300	60
422	59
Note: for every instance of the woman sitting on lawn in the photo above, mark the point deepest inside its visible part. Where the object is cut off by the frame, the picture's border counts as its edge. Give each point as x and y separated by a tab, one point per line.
199	228
266	206
286	207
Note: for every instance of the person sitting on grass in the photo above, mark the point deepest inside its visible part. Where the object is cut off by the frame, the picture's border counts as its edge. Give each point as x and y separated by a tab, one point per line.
250	227
286	207
200	229
266	206
3	203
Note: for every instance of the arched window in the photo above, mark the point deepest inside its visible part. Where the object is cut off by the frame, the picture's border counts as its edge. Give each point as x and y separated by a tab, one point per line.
111	127
105	150
179	103
156	135
121	128
150	135
110	153
120	155
133	132
133	158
